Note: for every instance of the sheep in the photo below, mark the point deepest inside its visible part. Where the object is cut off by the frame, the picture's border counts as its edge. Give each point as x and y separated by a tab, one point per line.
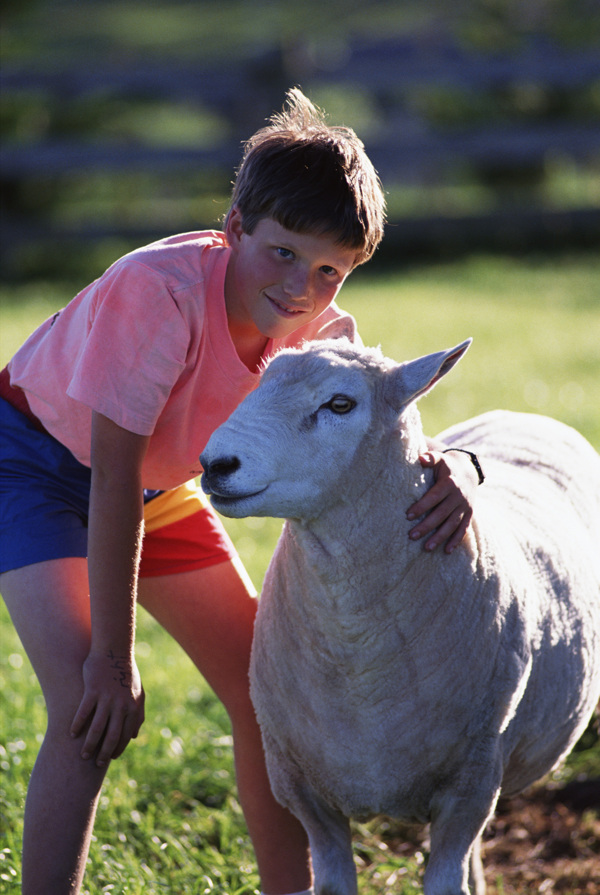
388	680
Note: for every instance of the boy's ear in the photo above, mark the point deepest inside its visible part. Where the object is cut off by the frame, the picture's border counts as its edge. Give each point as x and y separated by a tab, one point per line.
234	228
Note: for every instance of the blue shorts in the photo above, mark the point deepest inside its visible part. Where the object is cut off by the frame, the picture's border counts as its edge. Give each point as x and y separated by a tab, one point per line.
44	506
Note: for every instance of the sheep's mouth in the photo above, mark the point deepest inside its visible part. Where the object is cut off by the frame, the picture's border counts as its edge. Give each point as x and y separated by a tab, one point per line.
237	506
219	499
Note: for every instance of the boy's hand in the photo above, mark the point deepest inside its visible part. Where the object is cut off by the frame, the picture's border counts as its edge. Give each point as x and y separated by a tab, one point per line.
112	708
448	505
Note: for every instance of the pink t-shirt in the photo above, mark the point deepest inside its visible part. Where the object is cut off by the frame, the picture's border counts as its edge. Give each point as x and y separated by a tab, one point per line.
147	345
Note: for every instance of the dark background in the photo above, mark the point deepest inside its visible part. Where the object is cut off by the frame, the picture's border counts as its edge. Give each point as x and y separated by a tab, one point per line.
122	122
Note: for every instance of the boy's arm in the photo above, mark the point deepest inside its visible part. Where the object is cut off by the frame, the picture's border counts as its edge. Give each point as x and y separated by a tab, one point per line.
447	507
112	706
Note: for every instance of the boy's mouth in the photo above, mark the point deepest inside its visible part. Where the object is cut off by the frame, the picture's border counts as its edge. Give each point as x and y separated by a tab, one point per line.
287	310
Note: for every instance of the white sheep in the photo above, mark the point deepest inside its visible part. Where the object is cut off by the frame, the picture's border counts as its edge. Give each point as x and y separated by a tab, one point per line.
388	680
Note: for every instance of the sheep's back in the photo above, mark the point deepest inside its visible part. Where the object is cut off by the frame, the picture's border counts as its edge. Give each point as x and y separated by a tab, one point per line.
541	500
530	547
538	446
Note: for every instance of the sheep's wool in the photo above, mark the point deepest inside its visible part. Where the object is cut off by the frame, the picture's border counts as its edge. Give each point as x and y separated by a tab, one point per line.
387	679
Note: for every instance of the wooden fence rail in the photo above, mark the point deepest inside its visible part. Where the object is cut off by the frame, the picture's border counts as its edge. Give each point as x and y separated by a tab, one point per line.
406	143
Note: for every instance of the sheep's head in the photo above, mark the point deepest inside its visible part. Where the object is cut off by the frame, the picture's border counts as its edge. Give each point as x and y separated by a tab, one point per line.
290	446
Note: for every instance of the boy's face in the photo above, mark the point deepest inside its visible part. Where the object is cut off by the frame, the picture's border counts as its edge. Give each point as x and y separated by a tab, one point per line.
278	280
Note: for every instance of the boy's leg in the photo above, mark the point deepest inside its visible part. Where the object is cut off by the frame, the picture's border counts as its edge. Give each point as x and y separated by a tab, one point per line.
210	612
49	605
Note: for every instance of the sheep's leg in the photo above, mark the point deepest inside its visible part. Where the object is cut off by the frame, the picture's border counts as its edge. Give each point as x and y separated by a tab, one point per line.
328	830
330	846
454	866
476	877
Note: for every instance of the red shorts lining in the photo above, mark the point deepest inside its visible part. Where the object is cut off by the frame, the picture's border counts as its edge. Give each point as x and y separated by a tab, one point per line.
195	542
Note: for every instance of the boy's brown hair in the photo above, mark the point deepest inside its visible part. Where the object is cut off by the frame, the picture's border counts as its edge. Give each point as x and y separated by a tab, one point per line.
311	178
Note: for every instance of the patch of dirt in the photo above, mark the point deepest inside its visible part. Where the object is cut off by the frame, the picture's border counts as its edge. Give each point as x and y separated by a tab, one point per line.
546	841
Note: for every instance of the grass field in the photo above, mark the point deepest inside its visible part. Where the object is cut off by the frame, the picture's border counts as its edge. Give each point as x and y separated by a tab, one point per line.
169	820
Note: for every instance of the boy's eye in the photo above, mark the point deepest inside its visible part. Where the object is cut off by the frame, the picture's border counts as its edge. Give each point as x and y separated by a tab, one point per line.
329	271
284	253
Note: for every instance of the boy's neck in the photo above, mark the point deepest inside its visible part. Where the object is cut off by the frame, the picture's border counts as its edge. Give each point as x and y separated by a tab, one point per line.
250	347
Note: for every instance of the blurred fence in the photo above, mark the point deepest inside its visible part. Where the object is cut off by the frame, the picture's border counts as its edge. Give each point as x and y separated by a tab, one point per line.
439	113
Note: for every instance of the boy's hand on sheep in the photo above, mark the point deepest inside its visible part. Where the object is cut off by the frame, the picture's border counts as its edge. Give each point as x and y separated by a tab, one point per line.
448	505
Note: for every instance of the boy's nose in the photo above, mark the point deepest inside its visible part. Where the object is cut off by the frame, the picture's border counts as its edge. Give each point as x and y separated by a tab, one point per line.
297	284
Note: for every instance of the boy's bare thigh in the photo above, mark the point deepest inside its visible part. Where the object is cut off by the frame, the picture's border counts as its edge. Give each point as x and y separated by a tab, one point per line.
50	608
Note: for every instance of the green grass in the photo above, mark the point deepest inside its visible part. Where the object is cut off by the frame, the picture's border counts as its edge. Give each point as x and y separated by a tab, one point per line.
169	820
535	325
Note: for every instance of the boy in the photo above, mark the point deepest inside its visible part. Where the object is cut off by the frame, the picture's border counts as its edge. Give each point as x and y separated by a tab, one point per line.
116	395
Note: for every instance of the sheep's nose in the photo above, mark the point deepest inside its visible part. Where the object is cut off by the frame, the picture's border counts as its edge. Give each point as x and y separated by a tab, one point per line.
215	474
222	466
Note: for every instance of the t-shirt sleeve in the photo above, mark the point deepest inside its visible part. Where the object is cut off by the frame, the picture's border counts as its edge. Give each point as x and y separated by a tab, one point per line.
134	350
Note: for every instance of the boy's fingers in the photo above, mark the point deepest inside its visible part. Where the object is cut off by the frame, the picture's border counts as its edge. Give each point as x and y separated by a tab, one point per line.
442	510
131	728
458	535
109	734
86	707
441	489
426	503
452	531
95	733
112	741
447	526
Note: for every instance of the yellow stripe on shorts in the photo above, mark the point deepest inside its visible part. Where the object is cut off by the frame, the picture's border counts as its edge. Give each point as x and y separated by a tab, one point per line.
172	506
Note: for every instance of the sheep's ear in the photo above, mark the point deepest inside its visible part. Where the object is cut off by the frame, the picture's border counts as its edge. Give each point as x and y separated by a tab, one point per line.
338	328
412	379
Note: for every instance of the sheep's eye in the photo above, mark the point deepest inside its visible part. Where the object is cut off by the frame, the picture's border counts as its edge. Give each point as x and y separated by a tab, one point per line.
341	404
